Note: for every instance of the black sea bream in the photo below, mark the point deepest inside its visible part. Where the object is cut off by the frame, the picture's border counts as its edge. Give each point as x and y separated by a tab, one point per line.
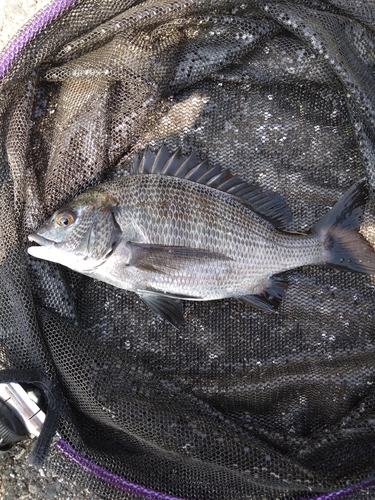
177	229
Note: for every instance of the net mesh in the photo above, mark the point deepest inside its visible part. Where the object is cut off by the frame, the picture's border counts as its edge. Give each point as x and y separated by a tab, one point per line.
237	404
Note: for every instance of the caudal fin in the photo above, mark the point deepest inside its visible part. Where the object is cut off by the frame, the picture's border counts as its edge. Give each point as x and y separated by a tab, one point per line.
343	246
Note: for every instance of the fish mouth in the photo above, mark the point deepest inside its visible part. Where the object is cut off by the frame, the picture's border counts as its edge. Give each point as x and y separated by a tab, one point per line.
45	249
41	240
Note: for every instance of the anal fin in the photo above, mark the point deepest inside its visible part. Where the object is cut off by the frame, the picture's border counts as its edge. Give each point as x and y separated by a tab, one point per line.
269	299
166	307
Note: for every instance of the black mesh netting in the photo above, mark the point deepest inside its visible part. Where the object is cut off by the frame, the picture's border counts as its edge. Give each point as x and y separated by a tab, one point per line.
237	404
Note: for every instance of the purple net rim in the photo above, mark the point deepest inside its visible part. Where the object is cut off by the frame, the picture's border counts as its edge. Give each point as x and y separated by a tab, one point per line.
7	58
344	492
29	31
148	494
110	478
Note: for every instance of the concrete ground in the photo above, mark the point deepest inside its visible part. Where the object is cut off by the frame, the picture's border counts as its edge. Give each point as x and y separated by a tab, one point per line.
21	481
14	14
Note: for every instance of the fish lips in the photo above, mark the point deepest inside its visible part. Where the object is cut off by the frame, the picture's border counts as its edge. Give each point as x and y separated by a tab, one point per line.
46	248
51	251
41	240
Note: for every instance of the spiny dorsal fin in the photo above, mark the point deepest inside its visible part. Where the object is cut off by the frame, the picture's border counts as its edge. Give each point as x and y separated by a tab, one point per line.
267	204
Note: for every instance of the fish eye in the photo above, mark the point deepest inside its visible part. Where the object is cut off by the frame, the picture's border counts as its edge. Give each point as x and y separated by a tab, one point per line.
65	218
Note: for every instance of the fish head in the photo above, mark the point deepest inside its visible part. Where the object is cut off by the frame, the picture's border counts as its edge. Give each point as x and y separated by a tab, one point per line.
81	235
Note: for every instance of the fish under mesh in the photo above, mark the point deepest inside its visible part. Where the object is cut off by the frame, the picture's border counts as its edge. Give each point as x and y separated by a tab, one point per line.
237	404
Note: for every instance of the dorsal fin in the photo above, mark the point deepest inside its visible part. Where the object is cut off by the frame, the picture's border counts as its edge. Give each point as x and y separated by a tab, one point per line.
269	205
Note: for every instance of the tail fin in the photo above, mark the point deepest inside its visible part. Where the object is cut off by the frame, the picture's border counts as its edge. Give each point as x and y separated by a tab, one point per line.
343	246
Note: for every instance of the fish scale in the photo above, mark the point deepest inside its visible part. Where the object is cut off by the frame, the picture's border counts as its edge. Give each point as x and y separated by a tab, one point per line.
177	228
209	219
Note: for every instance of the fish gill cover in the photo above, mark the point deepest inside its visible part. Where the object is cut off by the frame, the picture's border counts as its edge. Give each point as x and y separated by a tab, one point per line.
237	403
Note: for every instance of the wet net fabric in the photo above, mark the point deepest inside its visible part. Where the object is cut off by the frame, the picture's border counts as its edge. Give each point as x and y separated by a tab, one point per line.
237	404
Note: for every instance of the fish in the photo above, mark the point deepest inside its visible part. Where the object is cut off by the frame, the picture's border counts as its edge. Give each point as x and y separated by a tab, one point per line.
176	228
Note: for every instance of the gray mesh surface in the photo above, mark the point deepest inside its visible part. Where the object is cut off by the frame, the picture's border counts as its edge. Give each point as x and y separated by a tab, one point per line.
237	404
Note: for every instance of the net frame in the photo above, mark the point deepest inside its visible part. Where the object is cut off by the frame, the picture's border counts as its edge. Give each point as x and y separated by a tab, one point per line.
8	61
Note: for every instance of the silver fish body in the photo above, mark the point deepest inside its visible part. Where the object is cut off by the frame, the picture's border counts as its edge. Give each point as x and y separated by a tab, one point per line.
178	229
170	212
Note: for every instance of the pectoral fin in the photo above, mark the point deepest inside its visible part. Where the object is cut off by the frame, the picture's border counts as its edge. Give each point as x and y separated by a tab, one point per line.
270	298
166	307
162	259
